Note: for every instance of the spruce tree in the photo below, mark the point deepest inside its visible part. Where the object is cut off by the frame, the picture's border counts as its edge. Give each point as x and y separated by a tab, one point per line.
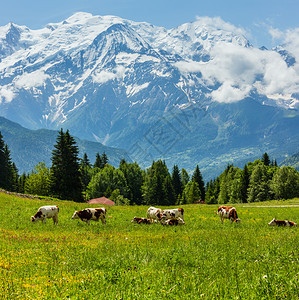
65	174
105	160
85	170
244	184
176	181
266	159
2	163
197	177
98	161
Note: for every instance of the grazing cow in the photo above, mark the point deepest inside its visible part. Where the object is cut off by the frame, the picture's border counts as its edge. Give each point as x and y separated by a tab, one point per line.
173	213
226	212
88	214
46	212
171	222
154	213
275	222
141	220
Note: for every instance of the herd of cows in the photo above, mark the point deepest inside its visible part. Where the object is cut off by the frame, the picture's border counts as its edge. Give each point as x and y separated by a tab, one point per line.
154	215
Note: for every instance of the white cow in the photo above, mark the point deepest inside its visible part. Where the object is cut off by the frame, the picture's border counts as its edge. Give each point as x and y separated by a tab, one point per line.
173	213
227	212
154	213
91	214
46	212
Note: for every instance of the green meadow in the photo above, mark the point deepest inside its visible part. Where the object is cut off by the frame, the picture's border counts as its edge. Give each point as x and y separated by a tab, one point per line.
203	259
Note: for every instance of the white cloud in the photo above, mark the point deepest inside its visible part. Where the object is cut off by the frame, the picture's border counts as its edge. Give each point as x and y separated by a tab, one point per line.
240	70
6	94
30	80
276	33
104	76
218	23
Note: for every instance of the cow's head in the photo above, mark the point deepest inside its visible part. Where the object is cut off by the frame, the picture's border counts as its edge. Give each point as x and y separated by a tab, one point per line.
33	219
75	215
237	220
273	222
180	221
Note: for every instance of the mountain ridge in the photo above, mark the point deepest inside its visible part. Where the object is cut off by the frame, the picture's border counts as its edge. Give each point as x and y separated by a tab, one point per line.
121	83
29	147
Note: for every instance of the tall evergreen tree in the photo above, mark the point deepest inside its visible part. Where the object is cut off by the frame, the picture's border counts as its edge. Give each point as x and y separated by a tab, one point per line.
185	178
244	184
65	174
168	191
197	177
177	181
98	162
105	159
85	170
153	190
7	171
266	159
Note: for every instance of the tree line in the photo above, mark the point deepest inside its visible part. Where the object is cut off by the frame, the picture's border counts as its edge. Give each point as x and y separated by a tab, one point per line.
74	178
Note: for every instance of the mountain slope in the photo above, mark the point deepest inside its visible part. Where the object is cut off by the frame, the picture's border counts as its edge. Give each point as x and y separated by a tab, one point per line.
29	147
292	161
191	94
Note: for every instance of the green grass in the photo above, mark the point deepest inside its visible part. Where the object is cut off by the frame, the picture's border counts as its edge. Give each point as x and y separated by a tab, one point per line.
203	259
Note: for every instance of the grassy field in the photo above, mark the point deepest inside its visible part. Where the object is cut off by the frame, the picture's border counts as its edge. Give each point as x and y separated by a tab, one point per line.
203	259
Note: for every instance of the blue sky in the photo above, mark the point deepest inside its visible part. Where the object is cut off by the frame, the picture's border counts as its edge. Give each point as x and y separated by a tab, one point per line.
255	16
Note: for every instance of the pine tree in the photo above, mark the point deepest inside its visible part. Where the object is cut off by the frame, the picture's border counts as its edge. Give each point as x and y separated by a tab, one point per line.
98	163
65	174
197	177
185	178
105	160
244	184
176	181
7	172
266	159
168	191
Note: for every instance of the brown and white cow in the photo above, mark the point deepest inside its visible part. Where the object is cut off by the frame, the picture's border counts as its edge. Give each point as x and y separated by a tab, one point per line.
171	222
173	213
46	212
227	212
141	220
275	222
91	214
154	213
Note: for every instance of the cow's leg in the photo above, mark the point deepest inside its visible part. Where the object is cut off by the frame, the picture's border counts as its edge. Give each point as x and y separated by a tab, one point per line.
103	219
55	220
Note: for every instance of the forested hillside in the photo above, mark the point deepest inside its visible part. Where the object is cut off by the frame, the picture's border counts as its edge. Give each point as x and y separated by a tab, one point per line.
72	177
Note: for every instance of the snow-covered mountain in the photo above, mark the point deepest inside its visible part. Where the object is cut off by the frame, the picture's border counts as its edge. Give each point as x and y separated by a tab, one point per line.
149	90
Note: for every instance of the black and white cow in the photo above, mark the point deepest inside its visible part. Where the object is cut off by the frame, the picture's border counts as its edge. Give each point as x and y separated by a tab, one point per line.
174	213
91	214
46	212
